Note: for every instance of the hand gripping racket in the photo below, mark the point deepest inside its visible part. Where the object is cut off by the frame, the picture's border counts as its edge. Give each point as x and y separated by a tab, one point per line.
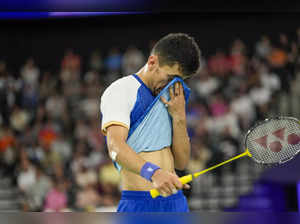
269	142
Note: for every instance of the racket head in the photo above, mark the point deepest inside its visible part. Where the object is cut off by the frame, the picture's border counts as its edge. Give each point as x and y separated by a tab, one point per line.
274	141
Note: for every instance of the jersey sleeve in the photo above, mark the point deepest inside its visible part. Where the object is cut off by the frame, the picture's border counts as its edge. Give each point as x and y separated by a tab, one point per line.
116	104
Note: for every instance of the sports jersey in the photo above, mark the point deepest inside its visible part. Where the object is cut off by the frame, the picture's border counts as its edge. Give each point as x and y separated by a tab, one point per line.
130	103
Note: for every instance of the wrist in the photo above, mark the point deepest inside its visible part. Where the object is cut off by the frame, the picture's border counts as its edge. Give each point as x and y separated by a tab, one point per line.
148	170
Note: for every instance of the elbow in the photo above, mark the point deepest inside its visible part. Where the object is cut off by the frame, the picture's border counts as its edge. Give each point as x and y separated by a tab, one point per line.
110	146
113	149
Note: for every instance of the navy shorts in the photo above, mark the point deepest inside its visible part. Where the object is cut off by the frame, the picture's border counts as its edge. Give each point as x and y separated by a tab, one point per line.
141	201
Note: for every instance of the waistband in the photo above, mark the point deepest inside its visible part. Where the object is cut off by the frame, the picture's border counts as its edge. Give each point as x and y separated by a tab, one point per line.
145	195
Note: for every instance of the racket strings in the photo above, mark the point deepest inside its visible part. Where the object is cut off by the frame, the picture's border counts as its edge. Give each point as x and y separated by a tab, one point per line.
275	141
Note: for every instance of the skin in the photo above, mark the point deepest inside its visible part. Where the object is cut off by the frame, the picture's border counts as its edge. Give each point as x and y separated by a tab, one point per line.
165	180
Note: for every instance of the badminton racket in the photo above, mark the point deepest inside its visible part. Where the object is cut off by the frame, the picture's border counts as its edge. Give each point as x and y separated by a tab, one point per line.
272	141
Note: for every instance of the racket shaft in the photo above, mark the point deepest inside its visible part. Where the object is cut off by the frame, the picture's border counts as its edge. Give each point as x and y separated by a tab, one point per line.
246	153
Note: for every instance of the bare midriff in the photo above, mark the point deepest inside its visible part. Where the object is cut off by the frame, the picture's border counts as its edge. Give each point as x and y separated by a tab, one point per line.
162	158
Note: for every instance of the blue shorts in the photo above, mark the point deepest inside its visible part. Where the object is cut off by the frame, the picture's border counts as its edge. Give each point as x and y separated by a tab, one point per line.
141	201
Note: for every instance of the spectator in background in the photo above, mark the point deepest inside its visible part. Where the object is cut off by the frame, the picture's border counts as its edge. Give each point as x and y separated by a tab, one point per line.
26	177
269	80
62	147
19	119
195	112
81	130
55	105
218	105
78	157
260	96
8	154
109	180
56	199
50	159
277	58
70	74
200	154
30	97
95	157
30	73
89	106
206	84
229	145
48	85
284	43
219	64
243	106
87	196
85	176
71	61
113	64
38	192
263	47
92	78
96	61
133	60
7	139
47	135
237	58
34	151
95	140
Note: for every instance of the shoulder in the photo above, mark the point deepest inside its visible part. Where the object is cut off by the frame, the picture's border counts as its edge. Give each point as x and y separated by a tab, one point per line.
127	84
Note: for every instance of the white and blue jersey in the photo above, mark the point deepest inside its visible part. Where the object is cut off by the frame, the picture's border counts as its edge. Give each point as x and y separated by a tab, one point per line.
124	102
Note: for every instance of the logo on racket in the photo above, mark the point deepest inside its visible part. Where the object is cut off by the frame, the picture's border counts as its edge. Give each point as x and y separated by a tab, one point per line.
276	146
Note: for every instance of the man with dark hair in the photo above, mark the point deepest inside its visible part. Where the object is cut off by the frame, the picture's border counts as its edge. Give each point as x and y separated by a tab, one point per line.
144	120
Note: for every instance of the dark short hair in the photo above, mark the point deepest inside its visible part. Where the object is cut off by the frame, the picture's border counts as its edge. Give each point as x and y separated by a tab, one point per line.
178	48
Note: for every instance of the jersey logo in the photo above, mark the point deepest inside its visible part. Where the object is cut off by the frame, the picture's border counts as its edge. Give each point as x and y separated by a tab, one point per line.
150	169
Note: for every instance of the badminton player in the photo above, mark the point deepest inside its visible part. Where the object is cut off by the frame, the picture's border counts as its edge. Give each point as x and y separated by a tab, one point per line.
125	101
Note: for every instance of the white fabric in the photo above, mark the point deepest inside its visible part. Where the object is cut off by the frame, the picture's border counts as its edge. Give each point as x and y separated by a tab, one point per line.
118	101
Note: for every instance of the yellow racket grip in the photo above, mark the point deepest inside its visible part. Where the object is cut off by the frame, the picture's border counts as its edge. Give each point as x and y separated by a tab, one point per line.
184	180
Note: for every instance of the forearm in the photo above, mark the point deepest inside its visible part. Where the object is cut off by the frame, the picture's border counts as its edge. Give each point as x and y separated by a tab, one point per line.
126	157
181	143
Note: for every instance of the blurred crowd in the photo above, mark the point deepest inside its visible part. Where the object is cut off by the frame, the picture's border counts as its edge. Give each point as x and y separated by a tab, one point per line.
50	138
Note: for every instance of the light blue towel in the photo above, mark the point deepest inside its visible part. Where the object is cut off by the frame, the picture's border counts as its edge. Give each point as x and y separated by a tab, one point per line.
153	131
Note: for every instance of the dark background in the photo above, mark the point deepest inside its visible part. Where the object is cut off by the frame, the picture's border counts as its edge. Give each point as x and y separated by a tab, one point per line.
49	38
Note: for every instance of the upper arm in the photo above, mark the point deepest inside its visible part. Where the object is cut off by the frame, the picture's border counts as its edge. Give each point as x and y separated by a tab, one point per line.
116	104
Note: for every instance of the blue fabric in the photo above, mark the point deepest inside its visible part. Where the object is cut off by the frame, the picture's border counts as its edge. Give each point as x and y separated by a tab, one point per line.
144	99
141	201
148	170
153	130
